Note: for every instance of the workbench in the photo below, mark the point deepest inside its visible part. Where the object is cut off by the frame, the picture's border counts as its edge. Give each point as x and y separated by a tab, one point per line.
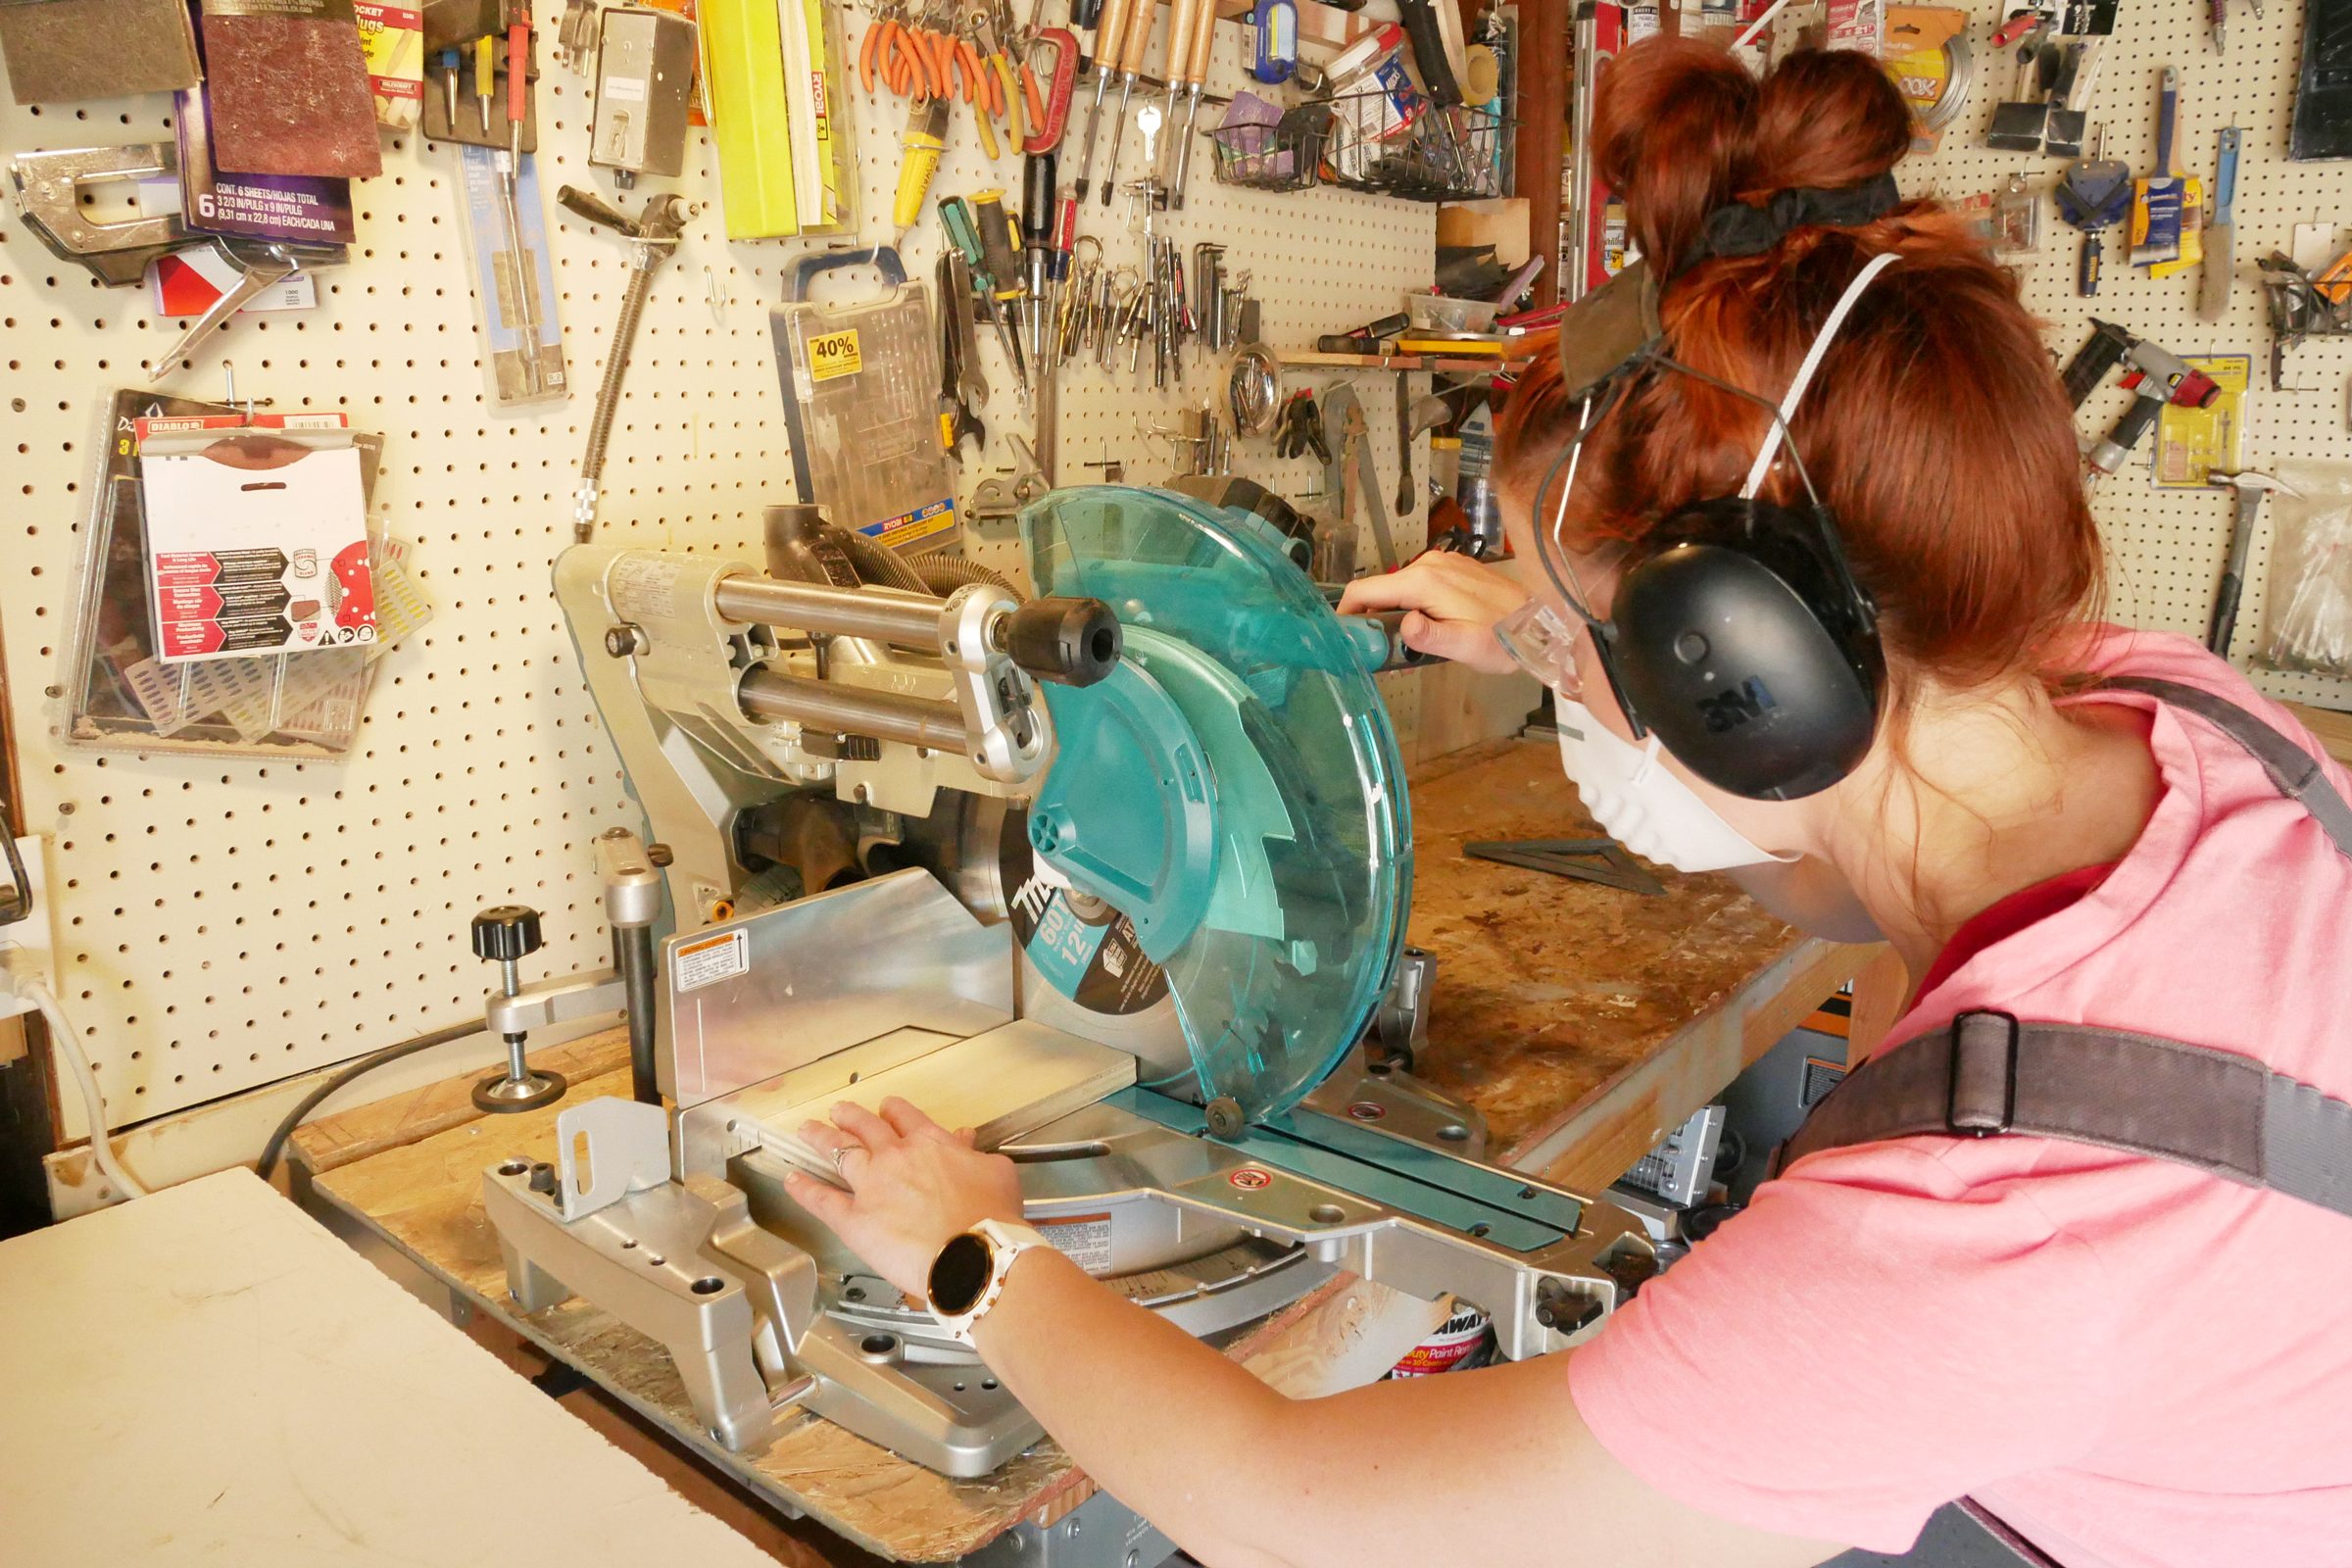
1584	1022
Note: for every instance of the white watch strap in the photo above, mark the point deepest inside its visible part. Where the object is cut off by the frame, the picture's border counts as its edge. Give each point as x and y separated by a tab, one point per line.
1007	1239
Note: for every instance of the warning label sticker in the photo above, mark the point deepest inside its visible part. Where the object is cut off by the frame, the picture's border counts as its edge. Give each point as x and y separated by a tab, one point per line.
832	355
1084	1239
1087	950
695	964
926	522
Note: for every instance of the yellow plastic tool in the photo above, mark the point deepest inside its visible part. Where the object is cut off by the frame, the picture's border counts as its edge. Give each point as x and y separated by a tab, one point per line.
485	76
919	147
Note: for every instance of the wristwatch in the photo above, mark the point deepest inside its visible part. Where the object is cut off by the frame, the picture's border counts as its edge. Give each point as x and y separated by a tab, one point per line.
969	1273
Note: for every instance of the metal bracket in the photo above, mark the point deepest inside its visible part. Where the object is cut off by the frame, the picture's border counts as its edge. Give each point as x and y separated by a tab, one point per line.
1099	1532
627	1148
682	1263
551	1001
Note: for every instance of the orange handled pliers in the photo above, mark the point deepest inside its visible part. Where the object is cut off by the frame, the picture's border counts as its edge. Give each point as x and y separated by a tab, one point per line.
889	48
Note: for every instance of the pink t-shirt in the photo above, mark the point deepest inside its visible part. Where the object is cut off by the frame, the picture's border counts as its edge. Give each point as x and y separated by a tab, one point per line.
2134	1364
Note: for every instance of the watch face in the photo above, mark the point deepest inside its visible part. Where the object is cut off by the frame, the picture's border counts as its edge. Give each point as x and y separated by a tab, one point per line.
958	1275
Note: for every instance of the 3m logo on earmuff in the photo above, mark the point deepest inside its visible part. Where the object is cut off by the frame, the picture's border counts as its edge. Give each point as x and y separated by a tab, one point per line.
1730	709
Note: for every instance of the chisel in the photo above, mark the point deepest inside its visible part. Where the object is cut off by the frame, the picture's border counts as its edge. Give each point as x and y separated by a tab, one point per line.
1109	35
1196	64
1133	45
1180	47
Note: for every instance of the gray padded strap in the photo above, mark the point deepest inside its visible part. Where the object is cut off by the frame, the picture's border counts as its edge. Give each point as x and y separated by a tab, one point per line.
2294	770
2217	1110
2221	1112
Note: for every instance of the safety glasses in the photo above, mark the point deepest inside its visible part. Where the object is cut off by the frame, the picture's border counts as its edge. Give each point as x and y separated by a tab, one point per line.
1538	637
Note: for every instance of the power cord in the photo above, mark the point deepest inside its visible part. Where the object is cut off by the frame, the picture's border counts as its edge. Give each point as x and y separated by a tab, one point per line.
274	1149
68	1042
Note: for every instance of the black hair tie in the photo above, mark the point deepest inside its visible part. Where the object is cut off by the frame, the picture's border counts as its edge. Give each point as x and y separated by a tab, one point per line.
1739	229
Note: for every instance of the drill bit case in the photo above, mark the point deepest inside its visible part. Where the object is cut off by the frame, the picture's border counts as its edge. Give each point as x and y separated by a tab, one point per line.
861	400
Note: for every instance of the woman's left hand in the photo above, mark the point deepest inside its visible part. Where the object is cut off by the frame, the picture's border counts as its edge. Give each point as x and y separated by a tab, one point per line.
912	1185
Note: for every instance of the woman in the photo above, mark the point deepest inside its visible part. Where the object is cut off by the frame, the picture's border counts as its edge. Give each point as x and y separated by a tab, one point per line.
2132	1361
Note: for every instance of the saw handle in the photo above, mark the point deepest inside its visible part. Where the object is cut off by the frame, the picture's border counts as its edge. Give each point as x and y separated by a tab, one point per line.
1068	642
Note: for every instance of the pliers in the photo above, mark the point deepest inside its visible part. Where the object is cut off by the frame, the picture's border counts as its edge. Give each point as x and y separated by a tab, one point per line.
936	50
1005	94
890	47
1301	430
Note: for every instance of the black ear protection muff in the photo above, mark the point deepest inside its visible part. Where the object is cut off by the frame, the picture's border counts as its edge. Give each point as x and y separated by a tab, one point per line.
1738	633
1747	648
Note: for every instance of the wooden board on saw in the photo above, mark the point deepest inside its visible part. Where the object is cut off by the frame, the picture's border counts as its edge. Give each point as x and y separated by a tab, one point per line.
1000	1084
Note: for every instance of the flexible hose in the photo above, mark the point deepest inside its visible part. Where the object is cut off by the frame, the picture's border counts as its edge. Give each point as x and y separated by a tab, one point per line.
944	575
617	363
311	1102
878	564
69	1049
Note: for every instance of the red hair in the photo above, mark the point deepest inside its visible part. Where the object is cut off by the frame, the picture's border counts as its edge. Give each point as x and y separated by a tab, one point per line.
1935	430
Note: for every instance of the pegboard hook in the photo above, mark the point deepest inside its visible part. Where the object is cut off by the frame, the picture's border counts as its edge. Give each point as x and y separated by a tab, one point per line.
228	378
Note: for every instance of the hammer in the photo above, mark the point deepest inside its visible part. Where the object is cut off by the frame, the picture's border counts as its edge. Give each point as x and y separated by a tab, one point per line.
2249	484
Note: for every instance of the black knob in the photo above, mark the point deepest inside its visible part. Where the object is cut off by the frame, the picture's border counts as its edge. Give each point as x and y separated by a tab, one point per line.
506	932
1071	642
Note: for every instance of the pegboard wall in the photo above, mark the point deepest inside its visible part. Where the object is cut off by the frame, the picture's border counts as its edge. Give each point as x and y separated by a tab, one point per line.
2165	547
225	923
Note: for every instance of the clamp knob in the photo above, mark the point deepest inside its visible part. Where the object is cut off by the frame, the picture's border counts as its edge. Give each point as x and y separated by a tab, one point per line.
504	933
1070	642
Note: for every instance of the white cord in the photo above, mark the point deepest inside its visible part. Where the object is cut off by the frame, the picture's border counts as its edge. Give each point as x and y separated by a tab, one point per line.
35	990
1804	372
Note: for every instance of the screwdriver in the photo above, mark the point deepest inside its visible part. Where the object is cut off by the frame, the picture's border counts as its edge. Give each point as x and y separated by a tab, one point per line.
919	147
1037	235
955	216
1112	21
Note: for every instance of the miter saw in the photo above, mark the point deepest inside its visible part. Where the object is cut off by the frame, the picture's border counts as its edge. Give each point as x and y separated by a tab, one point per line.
914	826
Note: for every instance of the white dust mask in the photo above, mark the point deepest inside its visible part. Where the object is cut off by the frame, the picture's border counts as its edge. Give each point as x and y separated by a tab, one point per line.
1639	802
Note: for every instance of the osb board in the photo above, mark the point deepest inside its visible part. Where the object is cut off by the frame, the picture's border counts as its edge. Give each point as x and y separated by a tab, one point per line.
1550	989
425	1198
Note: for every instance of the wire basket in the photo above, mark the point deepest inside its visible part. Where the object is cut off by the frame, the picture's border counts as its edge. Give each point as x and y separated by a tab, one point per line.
1284	156
1402	145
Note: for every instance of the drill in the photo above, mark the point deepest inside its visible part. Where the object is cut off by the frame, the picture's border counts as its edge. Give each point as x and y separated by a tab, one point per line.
2156	376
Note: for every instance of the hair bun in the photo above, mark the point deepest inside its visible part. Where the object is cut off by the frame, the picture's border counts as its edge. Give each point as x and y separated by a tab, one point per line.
1682	128
1825	120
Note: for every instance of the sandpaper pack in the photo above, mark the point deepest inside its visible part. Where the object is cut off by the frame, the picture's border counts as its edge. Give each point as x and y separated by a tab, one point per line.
62	51
289	90
313	209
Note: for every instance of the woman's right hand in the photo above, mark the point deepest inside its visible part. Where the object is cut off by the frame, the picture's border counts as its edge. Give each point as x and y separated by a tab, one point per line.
1454	602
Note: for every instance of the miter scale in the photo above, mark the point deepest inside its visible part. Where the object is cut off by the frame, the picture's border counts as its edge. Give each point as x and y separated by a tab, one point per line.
1117	875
